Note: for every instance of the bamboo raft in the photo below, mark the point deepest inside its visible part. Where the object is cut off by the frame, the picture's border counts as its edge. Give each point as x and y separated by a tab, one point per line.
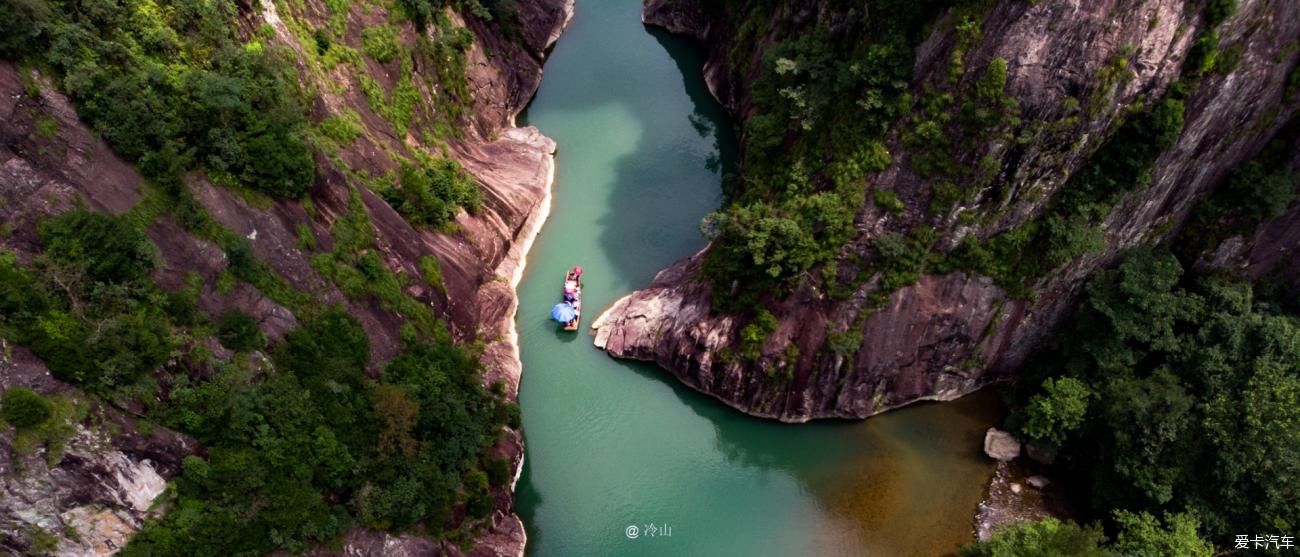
577	302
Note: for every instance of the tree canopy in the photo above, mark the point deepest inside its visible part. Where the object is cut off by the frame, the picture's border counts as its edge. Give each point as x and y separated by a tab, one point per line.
1196	388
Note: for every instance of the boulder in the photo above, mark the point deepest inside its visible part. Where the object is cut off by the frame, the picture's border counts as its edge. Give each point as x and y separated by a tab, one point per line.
1038	482
1001	445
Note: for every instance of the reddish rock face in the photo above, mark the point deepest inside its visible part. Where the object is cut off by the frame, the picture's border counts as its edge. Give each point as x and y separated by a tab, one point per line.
948	335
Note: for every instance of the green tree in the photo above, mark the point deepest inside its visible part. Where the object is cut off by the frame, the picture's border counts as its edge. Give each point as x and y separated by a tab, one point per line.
1143	535
431	194
1198	387
23	27
1058	410
398	414
754	334
1148	420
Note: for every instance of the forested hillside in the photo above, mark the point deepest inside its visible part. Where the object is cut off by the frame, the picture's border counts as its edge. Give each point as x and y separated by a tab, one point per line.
271	283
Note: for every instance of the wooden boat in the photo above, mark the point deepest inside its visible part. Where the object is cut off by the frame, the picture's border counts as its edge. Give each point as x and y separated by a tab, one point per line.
577	303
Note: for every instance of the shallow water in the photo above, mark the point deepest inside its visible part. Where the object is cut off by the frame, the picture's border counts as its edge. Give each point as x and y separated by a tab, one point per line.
612	444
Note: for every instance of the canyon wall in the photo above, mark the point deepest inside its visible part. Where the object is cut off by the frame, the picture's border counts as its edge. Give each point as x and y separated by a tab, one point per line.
948	334
90	497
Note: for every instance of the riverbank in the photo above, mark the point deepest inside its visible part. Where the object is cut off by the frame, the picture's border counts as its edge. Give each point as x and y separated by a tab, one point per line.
498	302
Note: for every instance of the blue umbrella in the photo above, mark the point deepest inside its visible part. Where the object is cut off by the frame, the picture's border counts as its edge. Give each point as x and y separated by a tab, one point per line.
563	313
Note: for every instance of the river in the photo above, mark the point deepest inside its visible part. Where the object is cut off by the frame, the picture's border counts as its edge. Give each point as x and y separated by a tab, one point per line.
613	444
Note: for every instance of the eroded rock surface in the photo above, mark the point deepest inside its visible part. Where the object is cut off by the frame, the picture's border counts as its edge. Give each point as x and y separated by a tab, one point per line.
85	491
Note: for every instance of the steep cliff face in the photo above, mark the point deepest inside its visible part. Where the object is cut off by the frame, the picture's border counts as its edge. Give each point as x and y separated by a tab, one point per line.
91	496
953	331
1268	251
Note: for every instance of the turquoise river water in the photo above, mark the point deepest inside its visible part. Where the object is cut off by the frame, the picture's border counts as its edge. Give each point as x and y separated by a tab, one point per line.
613	444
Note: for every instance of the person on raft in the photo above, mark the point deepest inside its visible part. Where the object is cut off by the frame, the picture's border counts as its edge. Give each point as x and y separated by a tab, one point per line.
572	281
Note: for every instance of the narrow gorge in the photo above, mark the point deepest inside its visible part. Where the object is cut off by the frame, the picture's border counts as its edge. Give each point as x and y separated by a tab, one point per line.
276	277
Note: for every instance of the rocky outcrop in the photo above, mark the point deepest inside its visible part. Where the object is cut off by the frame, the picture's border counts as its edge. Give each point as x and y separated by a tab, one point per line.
84	487
947	335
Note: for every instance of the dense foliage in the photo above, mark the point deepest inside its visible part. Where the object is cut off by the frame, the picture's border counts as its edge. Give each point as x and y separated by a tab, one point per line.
1174	394
317	447
1254	193
85	306
431	193
24	408
172	87
822	101
299	449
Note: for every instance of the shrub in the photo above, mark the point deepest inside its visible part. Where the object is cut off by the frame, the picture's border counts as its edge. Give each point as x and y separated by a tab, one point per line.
887	200
280	164
431	270
432	193
755	334
1216	11
498	471
381	43
23	408
758	249
844	343
1143	535
945	195
343	129
238	331
322	40
1045	537
332	345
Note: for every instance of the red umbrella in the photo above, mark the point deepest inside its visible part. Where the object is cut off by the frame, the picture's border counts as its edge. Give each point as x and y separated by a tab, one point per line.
577	270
